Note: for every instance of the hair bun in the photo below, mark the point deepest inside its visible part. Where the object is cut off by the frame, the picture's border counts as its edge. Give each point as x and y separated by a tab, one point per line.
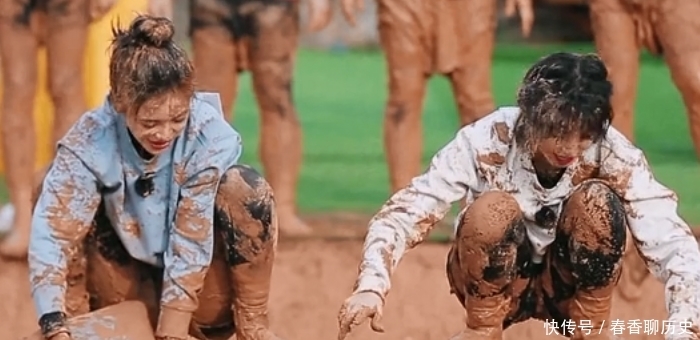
151	31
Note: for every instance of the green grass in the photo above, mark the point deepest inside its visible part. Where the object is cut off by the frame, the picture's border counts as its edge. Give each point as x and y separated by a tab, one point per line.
340	98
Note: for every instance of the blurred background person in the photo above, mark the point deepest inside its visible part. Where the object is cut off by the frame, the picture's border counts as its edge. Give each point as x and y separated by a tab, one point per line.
666	28
25	25
420	38
233	36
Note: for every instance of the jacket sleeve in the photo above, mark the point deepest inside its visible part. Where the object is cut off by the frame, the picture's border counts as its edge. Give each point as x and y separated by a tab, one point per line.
191	242
405	220
62	217
663	238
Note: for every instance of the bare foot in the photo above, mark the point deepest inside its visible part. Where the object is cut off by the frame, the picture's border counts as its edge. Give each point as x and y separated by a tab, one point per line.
15	243
291	224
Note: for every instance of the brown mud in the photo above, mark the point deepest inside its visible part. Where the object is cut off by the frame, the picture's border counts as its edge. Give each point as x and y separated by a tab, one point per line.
312	277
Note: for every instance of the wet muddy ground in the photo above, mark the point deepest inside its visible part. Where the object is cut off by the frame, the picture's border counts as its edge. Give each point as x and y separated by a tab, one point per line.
312	278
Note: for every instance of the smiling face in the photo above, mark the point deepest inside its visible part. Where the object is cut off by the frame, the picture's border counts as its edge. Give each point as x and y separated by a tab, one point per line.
159	121
563	151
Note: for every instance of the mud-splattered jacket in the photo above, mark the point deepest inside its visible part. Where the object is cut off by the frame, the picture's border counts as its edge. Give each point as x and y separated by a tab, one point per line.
96	162
484	156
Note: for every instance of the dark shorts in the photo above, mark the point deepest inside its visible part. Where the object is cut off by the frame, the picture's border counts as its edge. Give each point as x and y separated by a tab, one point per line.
240	17
59	12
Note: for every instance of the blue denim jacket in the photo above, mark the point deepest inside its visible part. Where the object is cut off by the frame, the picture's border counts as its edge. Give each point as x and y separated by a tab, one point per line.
96	162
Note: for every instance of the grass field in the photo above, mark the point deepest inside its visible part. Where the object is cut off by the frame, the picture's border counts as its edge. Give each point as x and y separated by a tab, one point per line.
340	97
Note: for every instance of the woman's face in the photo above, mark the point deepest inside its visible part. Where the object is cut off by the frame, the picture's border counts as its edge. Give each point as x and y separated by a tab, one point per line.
564	151
159	121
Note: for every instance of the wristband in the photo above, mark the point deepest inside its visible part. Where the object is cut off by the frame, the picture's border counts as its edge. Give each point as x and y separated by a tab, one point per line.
52	324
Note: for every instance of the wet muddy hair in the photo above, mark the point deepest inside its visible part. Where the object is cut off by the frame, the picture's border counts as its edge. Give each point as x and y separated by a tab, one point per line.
564	93
146	62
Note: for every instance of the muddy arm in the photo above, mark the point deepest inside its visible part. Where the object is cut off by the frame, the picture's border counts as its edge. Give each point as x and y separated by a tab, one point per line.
191	241
62	217
664	240
409	215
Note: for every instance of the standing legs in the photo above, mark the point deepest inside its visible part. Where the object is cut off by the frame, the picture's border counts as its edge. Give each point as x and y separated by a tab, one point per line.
675	25
272	52
471	80
214	50
400	36
65	26
616	42
18	53
270	31
67	32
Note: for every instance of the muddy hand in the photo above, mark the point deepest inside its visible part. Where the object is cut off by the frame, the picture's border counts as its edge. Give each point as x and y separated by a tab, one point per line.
98	8
356	309
527	15
60	336
161	8
350	7
320	14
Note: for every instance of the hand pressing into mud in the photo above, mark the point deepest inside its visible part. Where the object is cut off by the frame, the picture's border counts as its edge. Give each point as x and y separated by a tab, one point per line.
60	336
527	15
358	308
320	14
350	7
98	8
161	8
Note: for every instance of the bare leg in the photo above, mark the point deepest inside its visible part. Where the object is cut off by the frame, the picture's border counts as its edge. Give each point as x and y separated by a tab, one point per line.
675	24
634	273
471	80
586	259
67	28
214	50
18	51
246	226
616	42
407	73
66	40
272	54
482	263
113	276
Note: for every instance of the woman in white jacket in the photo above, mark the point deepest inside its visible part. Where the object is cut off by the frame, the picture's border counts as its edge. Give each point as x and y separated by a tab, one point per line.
551	191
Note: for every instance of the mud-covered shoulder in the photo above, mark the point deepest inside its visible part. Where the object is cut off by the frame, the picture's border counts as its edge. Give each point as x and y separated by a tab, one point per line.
491	137
210	141
624	167
207	120
89	132
93	139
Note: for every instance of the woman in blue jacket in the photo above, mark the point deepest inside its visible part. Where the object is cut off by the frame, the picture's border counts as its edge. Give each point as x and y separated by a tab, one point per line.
147	191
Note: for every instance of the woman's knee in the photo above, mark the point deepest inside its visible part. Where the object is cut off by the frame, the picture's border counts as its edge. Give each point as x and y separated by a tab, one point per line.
492	219
245	214
482	260
594	226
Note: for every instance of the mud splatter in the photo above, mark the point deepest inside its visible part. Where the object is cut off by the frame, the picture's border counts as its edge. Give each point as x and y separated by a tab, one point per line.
493	159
